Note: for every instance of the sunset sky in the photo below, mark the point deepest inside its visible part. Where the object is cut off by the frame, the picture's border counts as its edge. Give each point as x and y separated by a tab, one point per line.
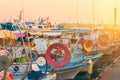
61	11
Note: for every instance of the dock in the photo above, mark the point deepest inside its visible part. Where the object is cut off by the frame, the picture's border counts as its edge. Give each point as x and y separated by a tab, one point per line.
112	72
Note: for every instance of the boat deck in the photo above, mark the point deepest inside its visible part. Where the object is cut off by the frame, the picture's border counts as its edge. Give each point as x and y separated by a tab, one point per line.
112	72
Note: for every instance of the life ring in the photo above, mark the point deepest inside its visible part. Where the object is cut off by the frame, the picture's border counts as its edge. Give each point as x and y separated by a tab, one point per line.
104	41
87	45
66	56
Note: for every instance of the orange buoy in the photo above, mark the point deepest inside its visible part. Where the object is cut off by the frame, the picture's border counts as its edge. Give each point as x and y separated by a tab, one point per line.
88	45
104	41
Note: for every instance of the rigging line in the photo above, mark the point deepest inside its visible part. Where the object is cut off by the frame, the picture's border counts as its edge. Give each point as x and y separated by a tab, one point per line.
27	68
93	11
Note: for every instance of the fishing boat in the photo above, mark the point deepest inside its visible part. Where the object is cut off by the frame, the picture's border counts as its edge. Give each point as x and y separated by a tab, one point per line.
14	28
58	54
15	55
61	55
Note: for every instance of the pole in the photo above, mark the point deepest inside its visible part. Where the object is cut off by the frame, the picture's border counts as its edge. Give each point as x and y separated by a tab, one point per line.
115	18
93	11
77	13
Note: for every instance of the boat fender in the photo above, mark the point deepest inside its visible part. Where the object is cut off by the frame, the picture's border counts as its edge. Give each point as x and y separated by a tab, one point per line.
90	67
66	56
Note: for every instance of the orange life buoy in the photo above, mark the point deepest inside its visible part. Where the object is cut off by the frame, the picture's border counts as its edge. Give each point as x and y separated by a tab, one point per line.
88	45
52	48
104	41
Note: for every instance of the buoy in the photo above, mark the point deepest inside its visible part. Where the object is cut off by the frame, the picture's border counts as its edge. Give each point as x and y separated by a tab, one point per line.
66	56
87	45
104	41
41	61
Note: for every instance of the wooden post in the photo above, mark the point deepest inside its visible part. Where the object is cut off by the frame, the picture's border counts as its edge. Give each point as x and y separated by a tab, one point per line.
5	73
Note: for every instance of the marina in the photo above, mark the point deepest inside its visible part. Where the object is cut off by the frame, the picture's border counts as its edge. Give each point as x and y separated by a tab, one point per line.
59	40
61	57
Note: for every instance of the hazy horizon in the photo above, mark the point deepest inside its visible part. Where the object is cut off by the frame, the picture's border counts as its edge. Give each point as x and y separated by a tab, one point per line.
61	11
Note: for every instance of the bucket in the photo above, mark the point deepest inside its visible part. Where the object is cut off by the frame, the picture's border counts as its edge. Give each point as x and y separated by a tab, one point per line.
23	59
17	60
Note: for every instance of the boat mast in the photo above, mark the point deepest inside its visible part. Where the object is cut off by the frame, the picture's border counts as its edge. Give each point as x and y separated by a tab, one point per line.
23	10
115	18
77	12
93	11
